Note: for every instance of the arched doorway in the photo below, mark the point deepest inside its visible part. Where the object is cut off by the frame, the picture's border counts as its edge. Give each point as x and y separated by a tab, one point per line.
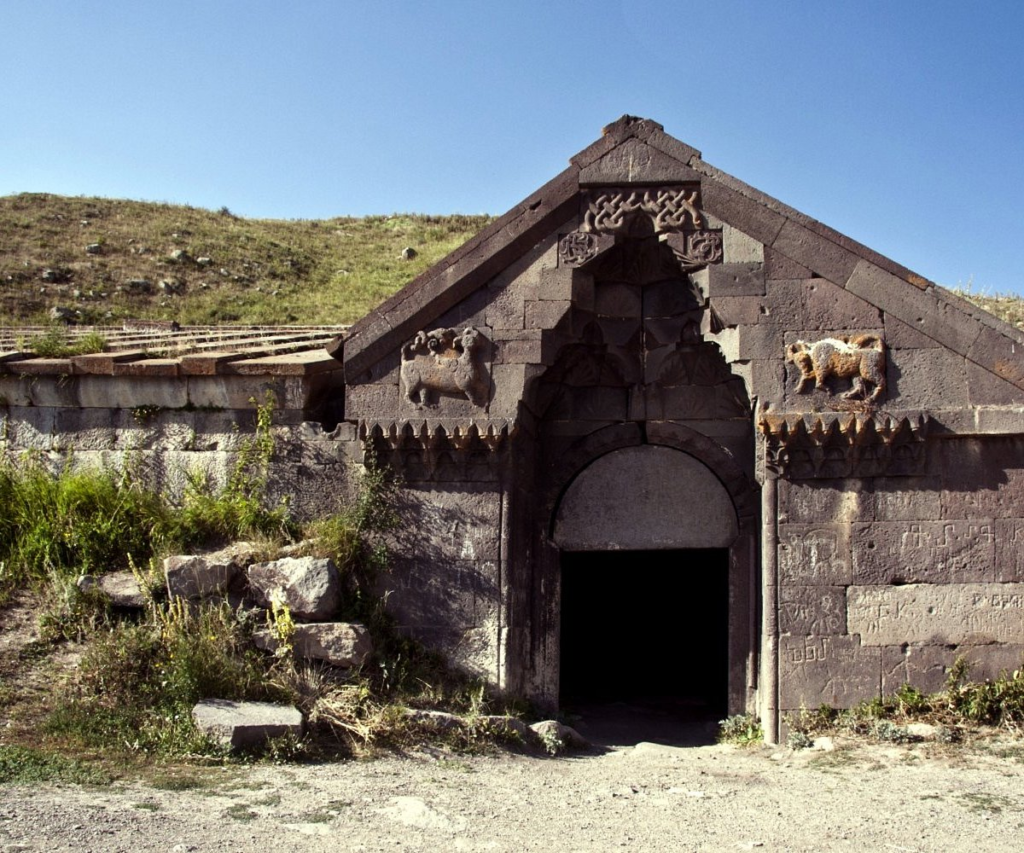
644	534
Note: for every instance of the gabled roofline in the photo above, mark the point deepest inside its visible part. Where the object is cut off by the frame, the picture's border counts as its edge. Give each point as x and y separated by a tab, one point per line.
830	254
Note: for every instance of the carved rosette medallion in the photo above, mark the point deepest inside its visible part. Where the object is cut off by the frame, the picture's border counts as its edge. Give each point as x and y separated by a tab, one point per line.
672	213
577	248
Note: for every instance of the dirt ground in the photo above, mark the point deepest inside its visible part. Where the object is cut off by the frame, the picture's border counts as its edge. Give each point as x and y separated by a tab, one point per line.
644	797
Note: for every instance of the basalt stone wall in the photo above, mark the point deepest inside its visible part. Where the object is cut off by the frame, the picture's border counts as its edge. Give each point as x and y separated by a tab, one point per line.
168	420
886	581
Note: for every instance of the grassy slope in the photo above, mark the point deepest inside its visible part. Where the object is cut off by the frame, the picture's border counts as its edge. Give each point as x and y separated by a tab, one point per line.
261	271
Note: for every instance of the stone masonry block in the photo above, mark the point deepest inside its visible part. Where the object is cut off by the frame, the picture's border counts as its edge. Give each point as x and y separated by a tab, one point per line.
942	552
371	401
1003	355
548	314
15	391
56	391
738	311
982	477
783	303
987	389
566	284
806	610
27	428
931	379
828	306
740	248
636	162
754	219
814	554
831	670
922	310
904	499
815	252
898	335
235	392
736	280
126	392
926	667
811	501
972	613
761	342
778	266
669	299
614	299
1009	549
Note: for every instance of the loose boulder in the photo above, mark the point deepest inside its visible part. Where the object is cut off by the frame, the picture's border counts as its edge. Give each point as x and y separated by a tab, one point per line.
120	588
202	575
308	586
239	725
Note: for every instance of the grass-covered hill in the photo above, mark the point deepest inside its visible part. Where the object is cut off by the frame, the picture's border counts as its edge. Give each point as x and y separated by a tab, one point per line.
106	260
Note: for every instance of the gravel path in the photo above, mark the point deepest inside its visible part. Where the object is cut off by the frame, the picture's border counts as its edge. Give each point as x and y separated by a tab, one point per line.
647	797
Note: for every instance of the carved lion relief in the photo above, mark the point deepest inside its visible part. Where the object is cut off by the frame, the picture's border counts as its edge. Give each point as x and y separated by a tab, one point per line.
860	359
444	361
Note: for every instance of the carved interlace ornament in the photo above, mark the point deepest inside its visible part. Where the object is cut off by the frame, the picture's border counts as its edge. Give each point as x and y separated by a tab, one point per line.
861	359
444	361
838	444
670	209
672	213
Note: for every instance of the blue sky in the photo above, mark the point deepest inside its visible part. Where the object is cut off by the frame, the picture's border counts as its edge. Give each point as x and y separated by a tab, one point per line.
899	123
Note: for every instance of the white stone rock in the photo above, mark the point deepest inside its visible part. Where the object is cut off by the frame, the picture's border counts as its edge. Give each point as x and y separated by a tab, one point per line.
308	586
202	575
552	732
245	724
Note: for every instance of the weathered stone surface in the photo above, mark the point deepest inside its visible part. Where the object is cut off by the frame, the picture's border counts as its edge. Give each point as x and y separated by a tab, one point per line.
635	499
936	614
1001	353
202	575
919	309
736	280
805	610
340	644
930	379
778	266
833	670
814	555
987	389
241	725
807	502
740	248
813	251
903	499
927	667
923	552
982	477
828	306
635	161
308	586
1009	549
121	588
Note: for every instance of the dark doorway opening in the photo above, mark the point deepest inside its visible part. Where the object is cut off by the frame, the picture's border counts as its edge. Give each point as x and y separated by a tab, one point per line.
644	643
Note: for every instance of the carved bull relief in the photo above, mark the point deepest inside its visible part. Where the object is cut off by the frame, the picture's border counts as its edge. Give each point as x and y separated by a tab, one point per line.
861	359
444	361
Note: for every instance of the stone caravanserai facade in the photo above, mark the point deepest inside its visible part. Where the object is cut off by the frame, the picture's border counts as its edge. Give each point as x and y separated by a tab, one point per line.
660	431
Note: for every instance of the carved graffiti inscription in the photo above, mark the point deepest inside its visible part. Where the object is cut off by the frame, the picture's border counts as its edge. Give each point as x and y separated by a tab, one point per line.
923	551
931	613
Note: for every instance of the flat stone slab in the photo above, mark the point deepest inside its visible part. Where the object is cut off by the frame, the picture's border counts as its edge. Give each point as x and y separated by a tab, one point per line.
245	724
341	644
931	613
